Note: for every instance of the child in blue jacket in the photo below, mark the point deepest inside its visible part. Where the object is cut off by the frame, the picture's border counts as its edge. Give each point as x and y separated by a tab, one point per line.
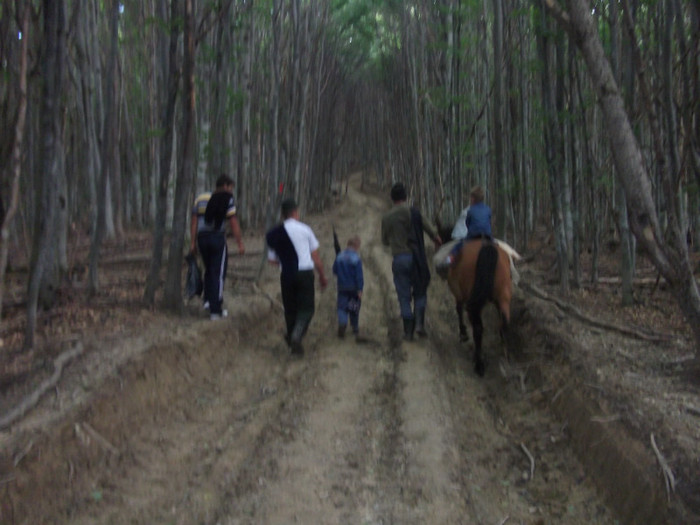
477	223
348	270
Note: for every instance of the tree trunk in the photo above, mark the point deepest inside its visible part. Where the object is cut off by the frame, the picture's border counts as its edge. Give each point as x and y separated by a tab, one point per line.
669	257
172	293
626	244
171	75
553	150
44	278
109	145
498	128
16	160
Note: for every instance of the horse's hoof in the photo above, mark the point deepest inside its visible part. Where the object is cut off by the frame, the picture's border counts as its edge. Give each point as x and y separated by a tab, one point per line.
480	368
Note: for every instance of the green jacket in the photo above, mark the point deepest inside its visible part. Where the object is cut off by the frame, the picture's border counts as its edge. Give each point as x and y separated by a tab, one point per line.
396	228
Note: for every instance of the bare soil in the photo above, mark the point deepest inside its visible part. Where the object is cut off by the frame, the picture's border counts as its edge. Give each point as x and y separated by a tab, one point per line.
180	420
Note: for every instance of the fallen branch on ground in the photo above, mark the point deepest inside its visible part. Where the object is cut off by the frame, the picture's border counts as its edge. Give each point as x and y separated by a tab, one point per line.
691	409
669	479
101	440
572	310
32	399
532	460
275	303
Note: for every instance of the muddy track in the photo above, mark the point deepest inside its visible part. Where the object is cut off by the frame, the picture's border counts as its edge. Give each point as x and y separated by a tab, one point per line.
215	424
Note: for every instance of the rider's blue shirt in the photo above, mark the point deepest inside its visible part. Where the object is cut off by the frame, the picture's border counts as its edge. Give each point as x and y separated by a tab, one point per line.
478	220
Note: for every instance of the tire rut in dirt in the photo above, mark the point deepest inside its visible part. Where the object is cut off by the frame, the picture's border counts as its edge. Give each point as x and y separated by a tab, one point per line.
501	421
179	420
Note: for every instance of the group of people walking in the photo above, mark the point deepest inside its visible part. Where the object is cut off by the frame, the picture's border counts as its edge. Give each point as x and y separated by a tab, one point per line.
294	248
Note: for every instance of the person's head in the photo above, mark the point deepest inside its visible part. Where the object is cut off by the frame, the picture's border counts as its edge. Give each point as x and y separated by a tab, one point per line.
224	182
477	194
354	242
289	208
398	192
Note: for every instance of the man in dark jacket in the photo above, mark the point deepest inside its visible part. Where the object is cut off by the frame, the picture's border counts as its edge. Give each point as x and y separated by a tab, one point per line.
402	231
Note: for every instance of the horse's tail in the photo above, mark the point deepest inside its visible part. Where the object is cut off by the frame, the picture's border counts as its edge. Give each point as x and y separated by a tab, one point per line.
483	277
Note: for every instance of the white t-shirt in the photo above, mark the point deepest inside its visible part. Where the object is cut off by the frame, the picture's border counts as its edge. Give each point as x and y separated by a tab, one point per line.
304	242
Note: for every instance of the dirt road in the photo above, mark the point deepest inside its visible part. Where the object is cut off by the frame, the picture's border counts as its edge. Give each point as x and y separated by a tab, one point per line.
212	422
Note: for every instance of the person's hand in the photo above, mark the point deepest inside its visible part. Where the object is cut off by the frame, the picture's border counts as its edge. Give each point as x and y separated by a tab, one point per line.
437	241
324	282
359	295
241	248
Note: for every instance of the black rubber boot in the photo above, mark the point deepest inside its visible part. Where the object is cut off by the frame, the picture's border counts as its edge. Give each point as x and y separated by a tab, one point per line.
341	330
295	339
420	322
408	326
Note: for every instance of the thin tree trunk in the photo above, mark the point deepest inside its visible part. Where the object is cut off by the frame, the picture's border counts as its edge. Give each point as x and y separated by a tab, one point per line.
16	159
43	278
171	73
172	293
553	155
109	145
498	117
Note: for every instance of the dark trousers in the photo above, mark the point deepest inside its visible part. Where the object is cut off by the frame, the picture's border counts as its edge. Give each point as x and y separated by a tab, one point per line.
212	247
298	301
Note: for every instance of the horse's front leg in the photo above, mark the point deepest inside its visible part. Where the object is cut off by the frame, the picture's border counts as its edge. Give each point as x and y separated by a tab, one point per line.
463	335
477	332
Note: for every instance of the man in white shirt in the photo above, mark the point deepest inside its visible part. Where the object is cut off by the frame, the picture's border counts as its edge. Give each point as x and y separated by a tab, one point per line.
293	246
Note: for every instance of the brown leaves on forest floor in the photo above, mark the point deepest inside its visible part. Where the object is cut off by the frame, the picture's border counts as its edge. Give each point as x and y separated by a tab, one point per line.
116	308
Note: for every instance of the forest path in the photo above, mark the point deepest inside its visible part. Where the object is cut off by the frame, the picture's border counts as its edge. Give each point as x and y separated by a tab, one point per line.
214	423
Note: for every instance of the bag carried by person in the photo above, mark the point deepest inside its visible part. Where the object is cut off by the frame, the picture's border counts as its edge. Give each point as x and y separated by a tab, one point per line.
194	285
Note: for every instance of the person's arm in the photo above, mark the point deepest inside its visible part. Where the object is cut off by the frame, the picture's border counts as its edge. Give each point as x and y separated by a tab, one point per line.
318	264
236	229
385	233
360	279
272	257
428	228
193	234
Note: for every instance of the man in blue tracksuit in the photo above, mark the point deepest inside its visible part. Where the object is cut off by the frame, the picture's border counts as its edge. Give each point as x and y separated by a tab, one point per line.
210	213
348	270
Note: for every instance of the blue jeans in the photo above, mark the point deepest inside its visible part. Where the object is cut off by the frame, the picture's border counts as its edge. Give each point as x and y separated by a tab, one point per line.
402	268
343	314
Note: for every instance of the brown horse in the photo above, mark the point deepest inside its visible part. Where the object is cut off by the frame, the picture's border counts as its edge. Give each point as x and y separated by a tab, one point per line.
480	274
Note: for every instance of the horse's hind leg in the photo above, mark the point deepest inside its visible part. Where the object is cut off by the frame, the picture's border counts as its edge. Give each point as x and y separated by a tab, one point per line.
478	331
504	311
463	335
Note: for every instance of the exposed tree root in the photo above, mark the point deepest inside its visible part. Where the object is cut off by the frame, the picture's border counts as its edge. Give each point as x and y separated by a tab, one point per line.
575	312
32	399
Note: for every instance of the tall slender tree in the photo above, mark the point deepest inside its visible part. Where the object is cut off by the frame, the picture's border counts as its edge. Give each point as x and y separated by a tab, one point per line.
16	160
44	277
668	252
